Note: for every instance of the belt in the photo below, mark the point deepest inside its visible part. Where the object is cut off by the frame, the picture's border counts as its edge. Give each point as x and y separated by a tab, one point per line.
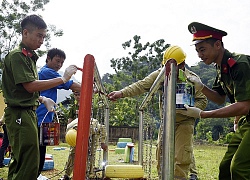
25	108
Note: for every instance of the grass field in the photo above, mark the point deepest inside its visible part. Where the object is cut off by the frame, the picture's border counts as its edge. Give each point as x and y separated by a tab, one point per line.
207	161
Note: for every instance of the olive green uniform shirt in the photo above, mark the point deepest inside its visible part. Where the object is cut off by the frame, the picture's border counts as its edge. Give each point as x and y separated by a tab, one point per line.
144	85
233	77
19	67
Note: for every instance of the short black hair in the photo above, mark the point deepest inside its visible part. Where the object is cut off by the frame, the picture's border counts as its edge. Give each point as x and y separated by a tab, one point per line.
55	52
33	21
211	41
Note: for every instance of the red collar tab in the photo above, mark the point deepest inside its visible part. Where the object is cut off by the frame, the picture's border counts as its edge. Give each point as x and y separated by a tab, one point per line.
231	62
26	52
205	34
224	69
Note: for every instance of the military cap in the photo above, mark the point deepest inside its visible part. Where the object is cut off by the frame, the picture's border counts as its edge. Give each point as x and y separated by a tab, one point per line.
201	32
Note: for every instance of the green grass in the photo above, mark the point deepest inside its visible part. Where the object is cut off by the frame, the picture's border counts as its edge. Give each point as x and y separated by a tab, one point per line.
207	158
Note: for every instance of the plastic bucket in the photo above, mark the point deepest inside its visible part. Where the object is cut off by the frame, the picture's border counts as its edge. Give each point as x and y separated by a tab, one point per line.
50	134
184	95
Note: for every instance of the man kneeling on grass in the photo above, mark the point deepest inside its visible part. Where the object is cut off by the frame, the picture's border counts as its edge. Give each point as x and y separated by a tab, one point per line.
97	134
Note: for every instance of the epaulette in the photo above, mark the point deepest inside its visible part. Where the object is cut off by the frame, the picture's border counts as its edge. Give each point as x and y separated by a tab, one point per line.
26	52
231	62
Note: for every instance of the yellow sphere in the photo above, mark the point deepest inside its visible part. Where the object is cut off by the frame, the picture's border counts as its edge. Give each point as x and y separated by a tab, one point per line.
174	52
71	137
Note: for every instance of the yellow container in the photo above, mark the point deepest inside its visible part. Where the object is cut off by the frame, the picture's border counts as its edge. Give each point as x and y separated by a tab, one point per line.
124	171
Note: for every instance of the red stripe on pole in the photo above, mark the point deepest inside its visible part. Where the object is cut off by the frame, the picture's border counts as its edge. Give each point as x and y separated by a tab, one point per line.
84	118
168	68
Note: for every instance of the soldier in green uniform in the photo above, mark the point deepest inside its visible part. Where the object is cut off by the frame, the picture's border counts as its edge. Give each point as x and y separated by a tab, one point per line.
233	80
184	124
21	88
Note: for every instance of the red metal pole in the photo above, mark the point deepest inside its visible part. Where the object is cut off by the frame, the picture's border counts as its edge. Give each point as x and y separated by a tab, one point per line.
84	118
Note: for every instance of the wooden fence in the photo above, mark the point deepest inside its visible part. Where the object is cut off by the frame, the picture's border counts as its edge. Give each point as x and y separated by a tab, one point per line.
115	132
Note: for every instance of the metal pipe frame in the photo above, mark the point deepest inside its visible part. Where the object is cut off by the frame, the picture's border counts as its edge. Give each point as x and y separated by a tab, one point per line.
167	74
140	144
169	113
100	87
98	81
153	89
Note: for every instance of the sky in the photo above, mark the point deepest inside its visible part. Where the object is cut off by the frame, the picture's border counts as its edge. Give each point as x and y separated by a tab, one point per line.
100	27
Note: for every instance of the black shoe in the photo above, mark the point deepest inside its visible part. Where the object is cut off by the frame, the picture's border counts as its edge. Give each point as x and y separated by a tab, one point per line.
193	177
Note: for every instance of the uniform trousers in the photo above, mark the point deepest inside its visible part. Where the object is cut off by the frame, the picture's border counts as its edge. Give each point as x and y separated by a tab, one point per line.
193	169
235	164
70	163
183	149
22	131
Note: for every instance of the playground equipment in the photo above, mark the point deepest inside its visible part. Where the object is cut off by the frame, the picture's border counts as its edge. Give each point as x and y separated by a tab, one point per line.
90	76
124	171
129	153
167	123
146	129
121	145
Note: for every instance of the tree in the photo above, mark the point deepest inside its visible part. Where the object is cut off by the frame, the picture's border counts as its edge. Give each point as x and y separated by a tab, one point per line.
11	12
211	125
206	72
142	59
123	111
